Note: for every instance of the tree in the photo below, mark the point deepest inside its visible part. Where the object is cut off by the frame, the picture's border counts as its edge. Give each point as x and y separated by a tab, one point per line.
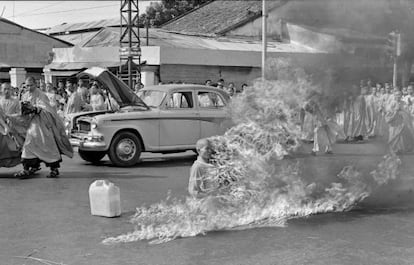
159	13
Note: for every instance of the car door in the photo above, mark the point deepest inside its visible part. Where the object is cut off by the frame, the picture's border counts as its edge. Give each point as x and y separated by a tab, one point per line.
179	119
212	114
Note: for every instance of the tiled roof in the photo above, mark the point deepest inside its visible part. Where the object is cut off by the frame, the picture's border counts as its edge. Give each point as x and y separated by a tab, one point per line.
217	17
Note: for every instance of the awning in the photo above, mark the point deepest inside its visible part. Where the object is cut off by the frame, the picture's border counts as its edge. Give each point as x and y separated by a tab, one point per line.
80	65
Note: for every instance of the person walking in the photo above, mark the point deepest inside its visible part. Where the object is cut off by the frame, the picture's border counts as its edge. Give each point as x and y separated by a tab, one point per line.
46	139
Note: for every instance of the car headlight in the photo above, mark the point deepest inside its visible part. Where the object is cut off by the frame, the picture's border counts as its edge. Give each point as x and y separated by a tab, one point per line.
94	125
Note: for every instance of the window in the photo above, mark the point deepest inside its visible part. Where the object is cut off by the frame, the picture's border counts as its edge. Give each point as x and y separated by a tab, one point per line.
152	98
180	100
210	100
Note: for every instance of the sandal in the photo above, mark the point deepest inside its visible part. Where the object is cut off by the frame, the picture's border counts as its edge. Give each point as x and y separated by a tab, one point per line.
33	170
24	174
54	173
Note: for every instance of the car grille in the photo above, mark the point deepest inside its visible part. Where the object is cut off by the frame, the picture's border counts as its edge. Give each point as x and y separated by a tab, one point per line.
84	126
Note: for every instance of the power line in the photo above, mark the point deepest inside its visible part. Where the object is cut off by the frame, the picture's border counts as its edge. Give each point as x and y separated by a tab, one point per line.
40	8
65	11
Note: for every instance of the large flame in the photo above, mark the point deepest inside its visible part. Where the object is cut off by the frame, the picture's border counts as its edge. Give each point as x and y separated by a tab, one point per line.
256	188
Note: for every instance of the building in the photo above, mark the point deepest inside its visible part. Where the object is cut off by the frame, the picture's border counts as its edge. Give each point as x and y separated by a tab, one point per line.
24	52
221	39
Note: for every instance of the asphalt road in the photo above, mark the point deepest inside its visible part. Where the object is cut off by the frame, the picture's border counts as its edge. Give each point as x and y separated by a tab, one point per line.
50	218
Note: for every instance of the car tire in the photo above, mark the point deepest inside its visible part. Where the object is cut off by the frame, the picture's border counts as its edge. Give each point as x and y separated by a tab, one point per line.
125	149
92	156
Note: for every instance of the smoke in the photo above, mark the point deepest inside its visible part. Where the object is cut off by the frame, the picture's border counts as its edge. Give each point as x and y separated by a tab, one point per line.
254	187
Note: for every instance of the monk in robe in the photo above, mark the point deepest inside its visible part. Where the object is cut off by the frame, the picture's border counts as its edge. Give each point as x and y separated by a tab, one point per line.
401	131
8	104
371	111
46	139
324	133
9	144
97	101
359	126
307	125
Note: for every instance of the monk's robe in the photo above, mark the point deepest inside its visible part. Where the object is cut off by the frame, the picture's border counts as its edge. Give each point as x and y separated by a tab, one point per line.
371	111
10	106
45	138
359	126
401	131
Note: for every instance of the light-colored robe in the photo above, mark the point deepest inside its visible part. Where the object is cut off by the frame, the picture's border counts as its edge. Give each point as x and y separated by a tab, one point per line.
308	126
359	114
10	106
74	104
371	113
401	131
45	138
98	102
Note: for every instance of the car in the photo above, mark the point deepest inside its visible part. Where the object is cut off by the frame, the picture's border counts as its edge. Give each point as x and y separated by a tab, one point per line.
158	119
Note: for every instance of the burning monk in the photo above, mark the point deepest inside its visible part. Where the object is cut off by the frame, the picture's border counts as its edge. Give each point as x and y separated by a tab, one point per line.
45	138
401	131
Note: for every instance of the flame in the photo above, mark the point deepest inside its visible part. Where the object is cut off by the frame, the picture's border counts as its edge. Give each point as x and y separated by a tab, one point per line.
255	189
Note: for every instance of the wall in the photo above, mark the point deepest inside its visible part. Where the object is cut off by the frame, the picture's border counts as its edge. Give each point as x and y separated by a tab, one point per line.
198	74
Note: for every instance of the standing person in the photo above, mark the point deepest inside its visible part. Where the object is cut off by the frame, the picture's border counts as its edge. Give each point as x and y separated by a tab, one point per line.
46	139
9	144
51	94
230	89
409	98
324	135
97	100
359	130
83	90
401	131
371	110
61	90
307	125
220	83
8	104
381	128
77	100
348	115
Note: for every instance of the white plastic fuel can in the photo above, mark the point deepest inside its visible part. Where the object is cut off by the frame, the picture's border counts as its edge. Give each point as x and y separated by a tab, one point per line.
104	198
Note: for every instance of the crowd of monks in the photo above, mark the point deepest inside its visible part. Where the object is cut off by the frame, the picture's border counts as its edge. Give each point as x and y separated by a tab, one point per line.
68	97
365	112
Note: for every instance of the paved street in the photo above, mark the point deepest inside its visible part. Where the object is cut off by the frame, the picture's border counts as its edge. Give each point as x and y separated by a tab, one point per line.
50	218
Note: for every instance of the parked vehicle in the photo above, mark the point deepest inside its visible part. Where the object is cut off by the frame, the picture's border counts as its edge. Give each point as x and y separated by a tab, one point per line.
163	119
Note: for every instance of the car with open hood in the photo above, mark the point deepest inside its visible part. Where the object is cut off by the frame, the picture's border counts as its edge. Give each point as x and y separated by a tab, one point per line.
158	119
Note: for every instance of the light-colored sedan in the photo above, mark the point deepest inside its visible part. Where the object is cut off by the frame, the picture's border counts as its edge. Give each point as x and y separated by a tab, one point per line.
163	119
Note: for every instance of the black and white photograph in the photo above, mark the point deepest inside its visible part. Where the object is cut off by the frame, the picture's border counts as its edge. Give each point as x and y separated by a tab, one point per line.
198	132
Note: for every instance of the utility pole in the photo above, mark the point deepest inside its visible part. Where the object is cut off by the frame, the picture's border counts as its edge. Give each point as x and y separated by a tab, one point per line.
264	38
396	52
129	43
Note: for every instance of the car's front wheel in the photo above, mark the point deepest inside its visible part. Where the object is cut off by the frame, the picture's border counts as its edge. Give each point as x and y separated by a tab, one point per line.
125	149
92	156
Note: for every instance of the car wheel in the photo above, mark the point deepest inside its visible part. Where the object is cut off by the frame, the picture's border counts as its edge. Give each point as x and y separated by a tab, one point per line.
92	156
125	149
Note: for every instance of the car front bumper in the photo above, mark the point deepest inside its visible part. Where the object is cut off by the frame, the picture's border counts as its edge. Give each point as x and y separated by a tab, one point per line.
87	142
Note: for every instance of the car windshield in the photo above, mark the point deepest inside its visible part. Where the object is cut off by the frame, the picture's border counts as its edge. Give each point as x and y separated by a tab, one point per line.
152	98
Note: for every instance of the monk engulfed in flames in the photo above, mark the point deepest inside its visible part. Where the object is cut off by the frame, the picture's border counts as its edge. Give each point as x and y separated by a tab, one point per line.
257	189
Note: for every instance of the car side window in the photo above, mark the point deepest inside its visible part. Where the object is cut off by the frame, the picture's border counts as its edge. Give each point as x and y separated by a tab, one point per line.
180	100
209	100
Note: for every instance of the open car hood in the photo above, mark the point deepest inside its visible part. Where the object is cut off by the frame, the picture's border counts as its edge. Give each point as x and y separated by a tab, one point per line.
122	94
